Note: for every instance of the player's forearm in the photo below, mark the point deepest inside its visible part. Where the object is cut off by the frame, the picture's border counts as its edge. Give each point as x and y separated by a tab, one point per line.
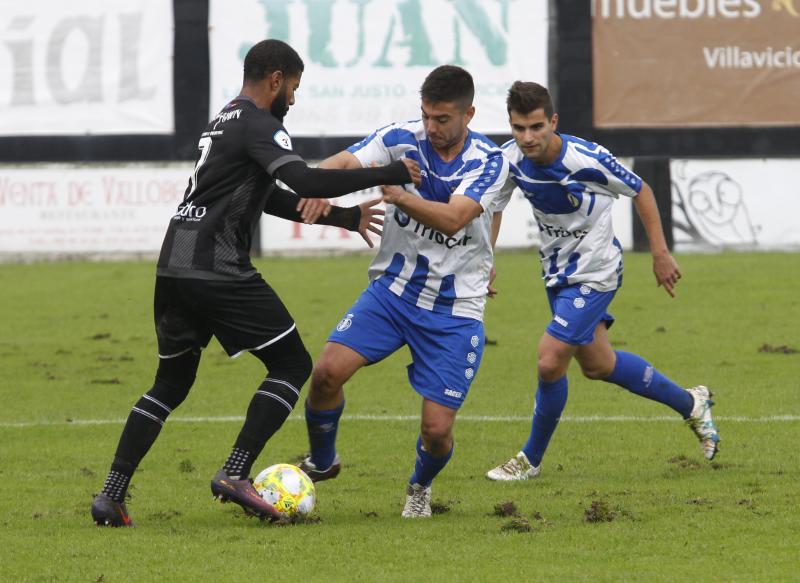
341	160
324	183
283	203
646	207
441	216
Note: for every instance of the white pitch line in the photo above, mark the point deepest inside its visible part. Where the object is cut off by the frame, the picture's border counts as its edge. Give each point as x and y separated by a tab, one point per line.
462	418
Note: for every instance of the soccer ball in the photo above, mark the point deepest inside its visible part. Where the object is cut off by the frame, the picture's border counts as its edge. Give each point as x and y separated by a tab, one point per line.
288	488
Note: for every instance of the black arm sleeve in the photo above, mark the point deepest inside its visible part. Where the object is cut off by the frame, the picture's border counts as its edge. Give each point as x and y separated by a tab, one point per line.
283	203
324	183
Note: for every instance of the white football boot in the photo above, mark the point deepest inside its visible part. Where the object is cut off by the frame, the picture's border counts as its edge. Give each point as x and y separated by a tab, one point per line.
418	502
701	423
517	468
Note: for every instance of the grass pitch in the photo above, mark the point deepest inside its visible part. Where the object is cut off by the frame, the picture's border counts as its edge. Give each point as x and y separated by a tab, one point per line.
624	494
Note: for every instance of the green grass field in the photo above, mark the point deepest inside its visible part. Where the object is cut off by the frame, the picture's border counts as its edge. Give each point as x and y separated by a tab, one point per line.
624	495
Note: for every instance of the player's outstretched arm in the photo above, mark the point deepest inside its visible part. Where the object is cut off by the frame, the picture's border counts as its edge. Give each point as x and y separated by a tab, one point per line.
313	208
362	218
446	217
343	160
324	183
665	268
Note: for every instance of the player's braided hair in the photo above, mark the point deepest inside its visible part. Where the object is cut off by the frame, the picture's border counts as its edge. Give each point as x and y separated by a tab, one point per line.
448	83
526	96
271	55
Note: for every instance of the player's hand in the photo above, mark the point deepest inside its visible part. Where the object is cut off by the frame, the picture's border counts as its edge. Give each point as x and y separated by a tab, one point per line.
491	290
312	209
413	170
666	271
371	220
393	194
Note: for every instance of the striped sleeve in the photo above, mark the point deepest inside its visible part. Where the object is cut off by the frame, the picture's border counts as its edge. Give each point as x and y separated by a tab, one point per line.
486	182
372	149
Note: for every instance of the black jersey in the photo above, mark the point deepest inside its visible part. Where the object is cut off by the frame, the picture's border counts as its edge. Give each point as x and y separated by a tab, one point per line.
210	234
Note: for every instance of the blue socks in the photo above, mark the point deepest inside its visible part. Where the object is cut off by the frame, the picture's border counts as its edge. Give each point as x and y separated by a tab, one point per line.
427	466
630	372
550	401
638	376
322	426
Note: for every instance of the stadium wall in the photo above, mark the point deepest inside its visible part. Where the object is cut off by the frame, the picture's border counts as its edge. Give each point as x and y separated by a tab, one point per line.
112	193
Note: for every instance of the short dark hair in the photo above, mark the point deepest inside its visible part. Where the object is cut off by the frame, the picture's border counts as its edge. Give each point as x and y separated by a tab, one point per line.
269	56
526	96
448	83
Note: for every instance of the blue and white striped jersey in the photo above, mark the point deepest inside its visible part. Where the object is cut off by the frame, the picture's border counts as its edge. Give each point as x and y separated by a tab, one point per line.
571	199
444	274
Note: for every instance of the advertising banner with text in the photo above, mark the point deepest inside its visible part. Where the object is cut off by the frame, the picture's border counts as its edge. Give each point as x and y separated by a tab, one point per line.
67	209
86	67
366	59
696	63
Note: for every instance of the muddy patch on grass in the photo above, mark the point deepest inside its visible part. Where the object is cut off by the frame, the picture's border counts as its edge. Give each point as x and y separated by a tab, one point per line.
186	466
684	462
517	524
438	507
782	349
114	381
165	515
599	511
507	508
299	519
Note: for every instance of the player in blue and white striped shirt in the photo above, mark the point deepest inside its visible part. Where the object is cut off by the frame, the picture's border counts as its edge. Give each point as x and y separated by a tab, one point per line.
428	282
571	184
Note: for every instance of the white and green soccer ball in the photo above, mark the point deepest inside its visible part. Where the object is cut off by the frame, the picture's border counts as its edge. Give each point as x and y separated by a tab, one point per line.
288	488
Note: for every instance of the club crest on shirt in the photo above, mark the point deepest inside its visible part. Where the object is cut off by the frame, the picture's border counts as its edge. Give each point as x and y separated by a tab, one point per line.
401	218
282	139
345	323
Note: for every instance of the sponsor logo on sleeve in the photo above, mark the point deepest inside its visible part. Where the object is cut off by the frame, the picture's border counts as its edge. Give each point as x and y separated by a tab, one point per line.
282	139
345	323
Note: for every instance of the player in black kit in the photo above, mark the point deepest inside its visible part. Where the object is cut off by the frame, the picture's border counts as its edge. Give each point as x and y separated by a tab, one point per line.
206	284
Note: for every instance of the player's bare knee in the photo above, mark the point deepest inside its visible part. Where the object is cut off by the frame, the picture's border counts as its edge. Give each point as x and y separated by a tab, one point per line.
437	436
549	369
597	372
325	382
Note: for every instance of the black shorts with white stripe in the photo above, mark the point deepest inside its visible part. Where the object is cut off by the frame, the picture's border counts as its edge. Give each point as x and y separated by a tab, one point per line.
244	315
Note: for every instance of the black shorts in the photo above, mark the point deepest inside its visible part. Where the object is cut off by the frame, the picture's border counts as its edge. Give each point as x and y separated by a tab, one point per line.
243	315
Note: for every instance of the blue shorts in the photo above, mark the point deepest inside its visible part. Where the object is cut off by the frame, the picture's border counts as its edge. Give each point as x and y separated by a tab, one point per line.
445	350
577	310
